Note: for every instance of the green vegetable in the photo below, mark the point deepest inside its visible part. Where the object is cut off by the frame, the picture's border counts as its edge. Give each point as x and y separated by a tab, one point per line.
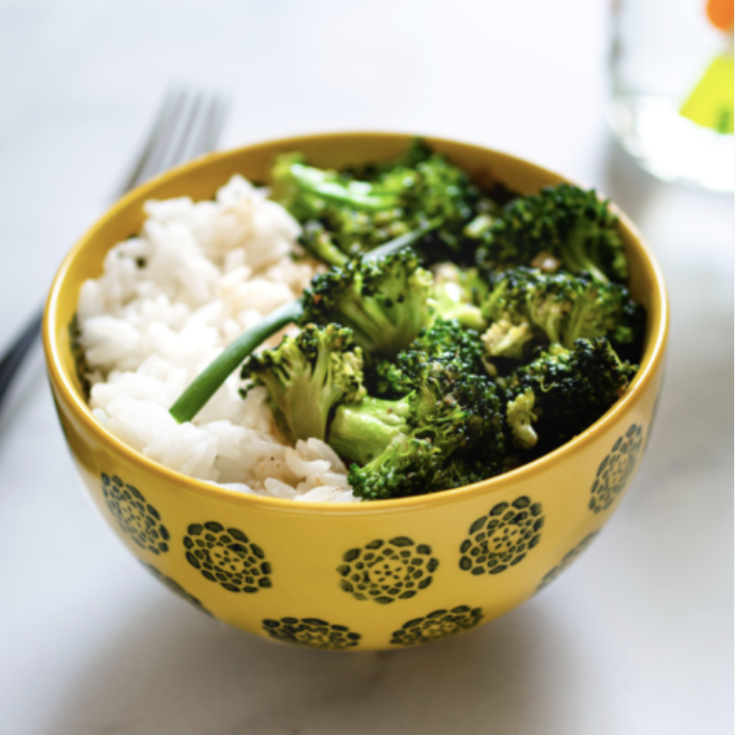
353	212
206	384
519	412
457	294
445	341
568	223
526	304
563	392
307	376
307	191
385	302
432	438
317	241
504	335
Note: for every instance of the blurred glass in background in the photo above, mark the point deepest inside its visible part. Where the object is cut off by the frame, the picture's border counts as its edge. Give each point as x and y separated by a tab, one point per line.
672	88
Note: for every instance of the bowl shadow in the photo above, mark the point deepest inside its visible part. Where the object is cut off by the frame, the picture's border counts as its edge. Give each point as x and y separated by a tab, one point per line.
173	670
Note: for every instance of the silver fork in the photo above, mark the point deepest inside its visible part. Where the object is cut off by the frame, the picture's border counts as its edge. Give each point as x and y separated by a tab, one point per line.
188	124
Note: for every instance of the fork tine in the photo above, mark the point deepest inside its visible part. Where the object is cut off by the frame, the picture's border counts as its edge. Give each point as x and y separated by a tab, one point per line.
188	125
214	121
189	146
182	133
201	129
156	162
134	176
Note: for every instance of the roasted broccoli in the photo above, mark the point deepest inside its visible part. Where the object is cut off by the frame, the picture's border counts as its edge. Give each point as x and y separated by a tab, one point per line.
444	341
505	333
563	392
355	211
526	304
307	376
449	416
458	293
211	378
520	415
560	226
385	302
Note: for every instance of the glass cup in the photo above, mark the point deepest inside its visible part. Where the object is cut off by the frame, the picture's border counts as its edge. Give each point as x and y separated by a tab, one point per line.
672	88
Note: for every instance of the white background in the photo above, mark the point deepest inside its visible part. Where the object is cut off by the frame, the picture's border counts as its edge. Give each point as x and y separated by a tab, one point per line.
635	639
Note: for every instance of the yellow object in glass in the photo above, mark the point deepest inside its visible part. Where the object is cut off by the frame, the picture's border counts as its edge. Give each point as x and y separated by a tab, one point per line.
711	104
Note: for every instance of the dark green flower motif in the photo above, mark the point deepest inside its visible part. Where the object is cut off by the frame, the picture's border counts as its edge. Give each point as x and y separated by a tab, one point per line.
228	557
502	538
566	561
311	632
436	625
140	520
387	571
177	589
615	470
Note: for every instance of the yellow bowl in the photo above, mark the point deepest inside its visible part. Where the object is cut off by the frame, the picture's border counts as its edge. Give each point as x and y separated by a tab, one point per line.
383	574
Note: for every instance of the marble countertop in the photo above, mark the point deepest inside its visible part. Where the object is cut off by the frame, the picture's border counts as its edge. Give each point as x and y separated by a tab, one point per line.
636	639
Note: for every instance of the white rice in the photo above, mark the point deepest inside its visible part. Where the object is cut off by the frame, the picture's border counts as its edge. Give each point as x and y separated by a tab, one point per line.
168	302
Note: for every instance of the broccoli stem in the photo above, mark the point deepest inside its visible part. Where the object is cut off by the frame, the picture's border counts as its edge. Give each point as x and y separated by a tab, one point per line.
575	253
330	254
322	247
357	194
205	385
361	431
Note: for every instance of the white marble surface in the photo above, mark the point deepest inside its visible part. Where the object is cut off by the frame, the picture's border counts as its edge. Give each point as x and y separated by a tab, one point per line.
635	640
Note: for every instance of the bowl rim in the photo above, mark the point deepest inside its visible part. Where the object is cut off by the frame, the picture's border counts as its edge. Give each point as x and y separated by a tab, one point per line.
65	388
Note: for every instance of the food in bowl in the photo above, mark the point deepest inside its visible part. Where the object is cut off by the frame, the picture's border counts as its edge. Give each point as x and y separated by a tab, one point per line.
448	332
353	576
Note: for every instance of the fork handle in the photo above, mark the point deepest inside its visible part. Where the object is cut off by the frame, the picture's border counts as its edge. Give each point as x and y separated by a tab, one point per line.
14	355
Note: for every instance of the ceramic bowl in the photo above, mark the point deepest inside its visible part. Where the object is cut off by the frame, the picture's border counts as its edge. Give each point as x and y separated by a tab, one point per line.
377	575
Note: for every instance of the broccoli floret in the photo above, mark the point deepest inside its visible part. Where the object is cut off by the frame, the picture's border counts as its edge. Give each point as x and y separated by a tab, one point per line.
563	392
407	466
449	416
445	341
385	302
505	339
439	189
317	241
472	286
565	222
520	415
307	376
458	293
526	303
361	209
